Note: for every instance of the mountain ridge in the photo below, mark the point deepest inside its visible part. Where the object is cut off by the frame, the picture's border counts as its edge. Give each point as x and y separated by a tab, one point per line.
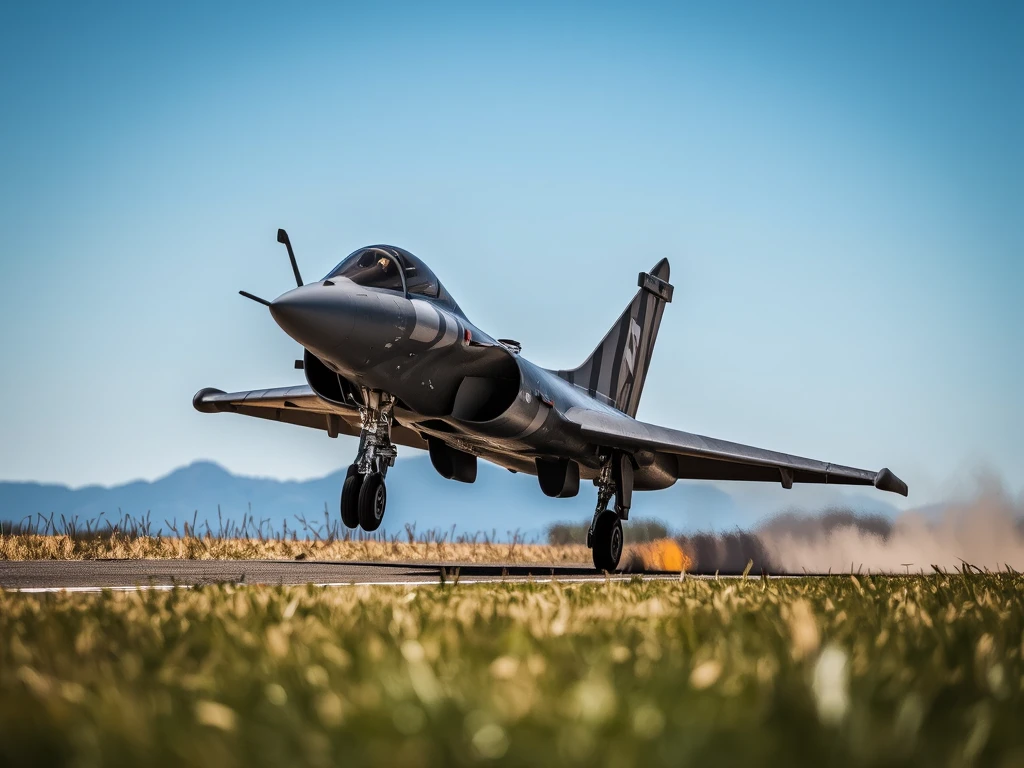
500	503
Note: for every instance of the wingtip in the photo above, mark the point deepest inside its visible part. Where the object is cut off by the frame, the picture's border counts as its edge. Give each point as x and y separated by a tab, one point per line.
885	480
204	405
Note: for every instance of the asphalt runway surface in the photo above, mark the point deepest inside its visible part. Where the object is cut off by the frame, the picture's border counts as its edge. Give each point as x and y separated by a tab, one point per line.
94	575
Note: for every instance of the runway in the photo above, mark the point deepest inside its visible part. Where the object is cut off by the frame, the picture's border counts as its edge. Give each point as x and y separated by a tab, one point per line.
95	575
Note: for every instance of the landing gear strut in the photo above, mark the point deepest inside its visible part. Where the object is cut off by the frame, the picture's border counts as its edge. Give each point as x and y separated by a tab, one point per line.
364	496
605	535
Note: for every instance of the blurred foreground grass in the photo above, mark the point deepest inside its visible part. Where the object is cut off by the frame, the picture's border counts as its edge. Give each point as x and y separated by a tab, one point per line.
836	671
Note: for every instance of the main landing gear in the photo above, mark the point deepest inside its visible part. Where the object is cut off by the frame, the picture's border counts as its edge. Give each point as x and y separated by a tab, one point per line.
605	535
364	496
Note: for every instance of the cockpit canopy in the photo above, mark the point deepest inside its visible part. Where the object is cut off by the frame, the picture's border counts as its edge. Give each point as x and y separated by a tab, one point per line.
382	266
393	269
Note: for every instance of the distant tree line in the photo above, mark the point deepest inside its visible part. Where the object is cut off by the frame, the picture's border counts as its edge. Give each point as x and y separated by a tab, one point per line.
561	534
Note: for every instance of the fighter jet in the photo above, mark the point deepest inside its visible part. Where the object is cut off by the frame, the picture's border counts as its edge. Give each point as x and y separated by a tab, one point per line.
390	358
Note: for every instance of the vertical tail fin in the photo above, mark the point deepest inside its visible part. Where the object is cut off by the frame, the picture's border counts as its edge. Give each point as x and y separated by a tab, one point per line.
615	372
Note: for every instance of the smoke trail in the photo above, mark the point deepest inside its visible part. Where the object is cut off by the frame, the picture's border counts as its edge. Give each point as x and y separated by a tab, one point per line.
986	531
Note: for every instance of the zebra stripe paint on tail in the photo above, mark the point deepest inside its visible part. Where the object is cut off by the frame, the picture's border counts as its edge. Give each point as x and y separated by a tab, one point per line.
615	372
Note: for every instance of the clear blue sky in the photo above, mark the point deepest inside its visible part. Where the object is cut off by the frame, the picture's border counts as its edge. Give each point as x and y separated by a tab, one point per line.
839	190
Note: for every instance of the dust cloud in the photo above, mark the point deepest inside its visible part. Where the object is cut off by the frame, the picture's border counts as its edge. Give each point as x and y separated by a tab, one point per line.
986	531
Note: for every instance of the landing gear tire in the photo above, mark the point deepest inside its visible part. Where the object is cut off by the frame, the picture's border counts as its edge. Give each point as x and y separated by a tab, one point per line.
607	541
350	497
373	498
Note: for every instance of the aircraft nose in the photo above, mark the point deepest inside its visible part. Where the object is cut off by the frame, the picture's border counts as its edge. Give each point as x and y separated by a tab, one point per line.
317	316
293	309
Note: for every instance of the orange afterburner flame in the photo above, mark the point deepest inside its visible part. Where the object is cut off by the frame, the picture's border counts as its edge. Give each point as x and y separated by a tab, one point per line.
659	555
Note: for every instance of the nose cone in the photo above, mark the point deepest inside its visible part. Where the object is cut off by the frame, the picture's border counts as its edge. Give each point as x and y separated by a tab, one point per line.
319	317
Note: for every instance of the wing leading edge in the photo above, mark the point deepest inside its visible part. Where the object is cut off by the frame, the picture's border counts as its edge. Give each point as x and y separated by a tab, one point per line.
706	458
295	405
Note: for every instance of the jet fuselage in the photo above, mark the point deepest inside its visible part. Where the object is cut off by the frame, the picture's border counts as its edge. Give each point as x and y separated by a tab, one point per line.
450	378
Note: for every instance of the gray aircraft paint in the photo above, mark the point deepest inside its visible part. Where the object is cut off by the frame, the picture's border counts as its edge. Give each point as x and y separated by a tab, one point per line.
455	383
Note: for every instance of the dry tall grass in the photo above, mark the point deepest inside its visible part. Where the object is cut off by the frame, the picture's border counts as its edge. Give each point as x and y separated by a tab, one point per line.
27	546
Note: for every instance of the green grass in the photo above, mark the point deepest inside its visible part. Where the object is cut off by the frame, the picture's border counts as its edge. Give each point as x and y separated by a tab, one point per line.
836	671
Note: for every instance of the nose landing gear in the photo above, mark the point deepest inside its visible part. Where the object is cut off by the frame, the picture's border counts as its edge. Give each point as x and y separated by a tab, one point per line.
364	496
605	535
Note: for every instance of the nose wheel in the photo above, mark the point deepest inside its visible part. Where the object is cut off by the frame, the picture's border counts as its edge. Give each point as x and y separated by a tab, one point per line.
373	498
350	497
364	496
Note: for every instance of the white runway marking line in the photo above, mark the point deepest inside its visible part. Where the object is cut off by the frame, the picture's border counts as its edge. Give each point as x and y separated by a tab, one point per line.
420	583
158	587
